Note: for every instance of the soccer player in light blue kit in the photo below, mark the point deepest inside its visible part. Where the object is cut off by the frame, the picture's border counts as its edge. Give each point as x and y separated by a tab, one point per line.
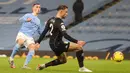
31	28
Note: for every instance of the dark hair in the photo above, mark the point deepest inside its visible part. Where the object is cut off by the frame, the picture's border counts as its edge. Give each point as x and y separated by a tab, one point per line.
62	7
35	4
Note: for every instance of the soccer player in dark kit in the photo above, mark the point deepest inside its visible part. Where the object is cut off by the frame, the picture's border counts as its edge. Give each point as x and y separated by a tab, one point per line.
55	26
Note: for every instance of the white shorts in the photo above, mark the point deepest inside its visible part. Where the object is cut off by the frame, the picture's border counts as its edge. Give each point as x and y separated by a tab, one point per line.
27	40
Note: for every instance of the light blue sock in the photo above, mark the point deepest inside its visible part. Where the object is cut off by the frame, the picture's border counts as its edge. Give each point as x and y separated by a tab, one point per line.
29	57
15	50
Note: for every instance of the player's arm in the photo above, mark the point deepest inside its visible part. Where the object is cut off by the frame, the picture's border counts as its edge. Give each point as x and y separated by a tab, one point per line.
68	37
43	34
63	30
25	18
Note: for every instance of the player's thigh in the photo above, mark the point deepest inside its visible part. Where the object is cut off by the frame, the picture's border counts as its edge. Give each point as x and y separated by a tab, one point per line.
30	44
20	39
74	47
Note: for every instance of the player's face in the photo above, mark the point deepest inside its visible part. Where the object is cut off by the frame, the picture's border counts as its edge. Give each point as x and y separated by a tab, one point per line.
64	13
37	9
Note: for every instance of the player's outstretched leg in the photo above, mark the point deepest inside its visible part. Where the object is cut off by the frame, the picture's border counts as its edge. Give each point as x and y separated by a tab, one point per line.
11	58
15	50
28	59
29	56
80	58
60	60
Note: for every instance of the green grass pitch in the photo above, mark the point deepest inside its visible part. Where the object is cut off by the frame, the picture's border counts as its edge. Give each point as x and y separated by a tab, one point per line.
97	66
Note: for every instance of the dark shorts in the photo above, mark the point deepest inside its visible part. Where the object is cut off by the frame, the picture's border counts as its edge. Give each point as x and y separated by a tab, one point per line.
60	48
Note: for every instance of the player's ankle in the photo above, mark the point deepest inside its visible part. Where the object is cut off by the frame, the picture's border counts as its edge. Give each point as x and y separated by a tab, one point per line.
81	66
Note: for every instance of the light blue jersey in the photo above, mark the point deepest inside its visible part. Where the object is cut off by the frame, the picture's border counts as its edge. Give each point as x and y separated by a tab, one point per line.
32	28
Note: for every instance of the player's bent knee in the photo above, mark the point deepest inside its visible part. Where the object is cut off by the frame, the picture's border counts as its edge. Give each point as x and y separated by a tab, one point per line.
31	47
79	47
20	41
74	46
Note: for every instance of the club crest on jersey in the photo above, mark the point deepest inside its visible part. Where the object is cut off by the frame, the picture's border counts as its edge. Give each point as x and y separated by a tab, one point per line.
63	27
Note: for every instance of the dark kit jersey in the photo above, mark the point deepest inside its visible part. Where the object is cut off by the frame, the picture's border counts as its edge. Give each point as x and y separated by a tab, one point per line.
57	30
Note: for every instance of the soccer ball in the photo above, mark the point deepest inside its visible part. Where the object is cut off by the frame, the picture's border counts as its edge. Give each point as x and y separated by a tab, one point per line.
118	56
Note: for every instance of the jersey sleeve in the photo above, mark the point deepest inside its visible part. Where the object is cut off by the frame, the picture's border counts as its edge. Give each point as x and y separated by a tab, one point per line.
43	33
62	28
24	18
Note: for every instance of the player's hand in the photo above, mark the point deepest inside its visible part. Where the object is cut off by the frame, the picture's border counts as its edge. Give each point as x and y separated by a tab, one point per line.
29	19
37	46
81	43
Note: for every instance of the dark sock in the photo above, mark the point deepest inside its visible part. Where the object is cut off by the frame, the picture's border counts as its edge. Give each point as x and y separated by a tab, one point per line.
80	58
54	63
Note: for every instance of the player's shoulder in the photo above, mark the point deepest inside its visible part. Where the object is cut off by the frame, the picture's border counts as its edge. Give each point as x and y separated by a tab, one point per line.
51	20
28	14
58	19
